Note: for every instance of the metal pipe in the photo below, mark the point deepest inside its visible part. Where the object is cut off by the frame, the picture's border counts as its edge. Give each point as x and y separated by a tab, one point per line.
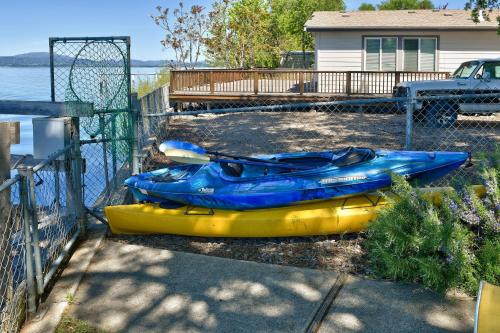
135	112
57	185
52	158
84	39
277	107
9	182
97	216
291	106
34	230
90	141
77	176
410	108
52	80
30	278
113	150
104	154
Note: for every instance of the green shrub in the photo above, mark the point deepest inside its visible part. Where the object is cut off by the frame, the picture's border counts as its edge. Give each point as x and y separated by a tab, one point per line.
452	246
413	241
489	261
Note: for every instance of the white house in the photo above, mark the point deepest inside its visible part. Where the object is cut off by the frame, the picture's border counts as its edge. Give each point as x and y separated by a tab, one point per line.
401	40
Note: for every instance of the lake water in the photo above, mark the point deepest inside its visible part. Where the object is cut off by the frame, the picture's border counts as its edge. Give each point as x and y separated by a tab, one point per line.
33	84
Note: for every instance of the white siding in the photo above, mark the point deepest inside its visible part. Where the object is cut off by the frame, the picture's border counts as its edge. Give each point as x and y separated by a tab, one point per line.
343	51
457	47
338	51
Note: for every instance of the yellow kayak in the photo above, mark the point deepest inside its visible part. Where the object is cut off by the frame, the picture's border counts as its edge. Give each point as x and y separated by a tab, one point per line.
319	218
486	319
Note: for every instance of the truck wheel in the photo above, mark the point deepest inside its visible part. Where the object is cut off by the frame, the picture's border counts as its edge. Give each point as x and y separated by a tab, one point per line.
442	114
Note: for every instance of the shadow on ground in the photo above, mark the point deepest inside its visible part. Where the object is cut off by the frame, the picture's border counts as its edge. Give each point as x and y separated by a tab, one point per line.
381	306
131	288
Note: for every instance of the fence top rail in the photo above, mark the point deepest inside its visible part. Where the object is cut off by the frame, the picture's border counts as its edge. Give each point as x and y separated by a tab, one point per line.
9	182
88	39
281	70
51	158
45	108
290	106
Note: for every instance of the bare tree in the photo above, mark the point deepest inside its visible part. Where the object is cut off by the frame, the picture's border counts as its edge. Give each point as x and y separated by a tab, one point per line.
185	32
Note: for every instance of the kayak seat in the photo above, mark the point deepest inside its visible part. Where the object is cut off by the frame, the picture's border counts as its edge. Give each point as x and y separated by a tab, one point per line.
354	156
232	169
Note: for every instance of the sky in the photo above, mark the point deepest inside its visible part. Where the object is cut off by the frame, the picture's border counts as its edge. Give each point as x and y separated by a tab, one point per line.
26	25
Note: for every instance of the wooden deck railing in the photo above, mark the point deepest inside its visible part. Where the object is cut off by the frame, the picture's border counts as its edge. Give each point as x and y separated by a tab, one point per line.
229	81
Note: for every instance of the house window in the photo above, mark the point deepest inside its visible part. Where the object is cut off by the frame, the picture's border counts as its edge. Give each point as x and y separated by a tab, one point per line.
381	53
419	54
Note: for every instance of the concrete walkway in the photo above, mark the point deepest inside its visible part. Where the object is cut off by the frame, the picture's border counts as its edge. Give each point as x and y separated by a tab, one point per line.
130	288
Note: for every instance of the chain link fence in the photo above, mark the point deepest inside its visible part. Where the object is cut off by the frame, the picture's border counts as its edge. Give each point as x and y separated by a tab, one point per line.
13	293
448	122
44	218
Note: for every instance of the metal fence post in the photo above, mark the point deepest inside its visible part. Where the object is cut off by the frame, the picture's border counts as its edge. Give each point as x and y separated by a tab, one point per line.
34	229
102	129
410	108
77	176
135	113
30	276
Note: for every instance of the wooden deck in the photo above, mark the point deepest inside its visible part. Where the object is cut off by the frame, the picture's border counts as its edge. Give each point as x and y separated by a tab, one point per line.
195	85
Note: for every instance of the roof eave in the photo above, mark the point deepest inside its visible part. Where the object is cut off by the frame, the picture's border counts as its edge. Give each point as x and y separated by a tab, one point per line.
320	29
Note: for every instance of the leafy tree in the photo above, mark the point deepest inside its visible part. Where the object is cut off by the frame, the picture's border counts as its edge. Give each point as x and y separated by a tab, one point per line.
250	22
405	4
185	32
241	35
484	8
221	43
290	16
366	6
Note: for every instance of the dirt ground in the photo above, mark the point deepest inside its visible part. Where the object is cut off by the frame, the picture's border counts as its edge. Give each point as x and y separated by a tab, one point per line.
336	253
270	132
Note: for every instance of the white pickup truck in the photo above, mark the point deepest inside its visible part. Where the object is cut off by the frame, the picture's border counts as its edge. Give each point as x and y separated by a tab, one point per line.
472	77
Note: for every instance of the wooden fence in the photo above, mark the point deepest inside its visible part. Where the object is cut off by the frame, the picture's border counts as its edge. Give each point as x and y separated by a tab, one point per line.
228	81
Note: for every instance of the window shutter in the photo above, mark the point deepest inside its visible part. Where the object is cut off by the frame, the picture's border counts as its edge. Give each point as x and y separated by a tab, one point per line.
427	54
372	54
410	49
389	46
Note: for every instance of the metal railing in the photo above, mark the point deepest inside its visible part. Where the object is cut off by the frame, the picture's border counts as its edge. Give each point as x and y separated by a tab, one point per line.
298	82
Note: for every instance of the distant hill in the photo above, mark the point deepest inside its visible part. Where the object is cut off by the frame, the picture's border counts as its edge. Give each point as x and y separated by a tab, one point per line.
42	59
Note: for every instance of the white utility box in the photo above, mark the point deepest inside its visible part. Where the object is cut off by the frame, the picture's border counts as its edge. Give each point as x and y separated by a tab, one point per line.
50	135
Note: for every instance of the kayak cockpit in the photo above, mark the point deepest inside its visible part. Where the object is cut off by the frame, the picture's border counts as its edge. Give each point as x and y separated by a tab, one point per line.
312	161
169	175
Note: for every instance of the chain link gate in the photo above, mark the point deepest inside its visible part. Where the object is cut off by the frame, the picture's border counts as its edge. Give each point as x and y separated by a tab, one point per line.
97	70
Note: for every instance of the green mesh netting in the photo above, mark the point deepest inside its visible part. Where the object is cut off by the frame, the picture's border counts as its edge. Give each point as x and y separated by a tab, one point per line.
95	71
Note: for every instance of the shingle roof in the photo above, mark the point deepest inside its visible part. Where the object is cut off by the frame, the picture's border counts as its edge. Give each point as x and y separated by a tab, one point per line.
399	19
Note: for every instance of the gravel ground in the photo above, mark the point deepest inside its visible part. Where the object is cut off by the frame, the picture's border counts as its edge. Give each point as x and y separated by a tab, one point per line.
271	132
268	132
336	253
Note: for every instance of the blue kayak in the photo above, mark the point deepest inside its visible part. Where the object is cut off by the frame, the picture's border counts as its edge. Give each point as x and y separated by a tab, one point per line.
317	176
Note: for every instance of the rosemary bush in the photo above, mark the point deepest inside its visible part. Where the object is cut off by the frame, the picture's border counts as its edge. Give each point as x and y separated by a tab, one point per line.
454	245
